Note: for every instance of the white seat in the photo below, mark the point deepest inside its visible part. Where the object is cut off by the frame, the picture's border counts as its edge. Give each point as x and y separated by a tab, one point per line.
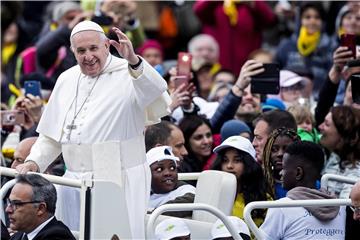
218	189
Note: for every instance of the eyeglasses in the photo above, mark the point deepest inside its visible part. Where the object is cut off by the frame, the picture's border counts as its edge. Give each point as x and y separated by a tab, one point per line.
356	210
15	204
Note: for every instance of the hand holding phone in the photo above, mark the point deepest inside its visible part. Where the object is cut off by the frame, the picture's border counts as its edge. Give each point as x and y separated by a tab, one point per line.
33	88
183	68
349	40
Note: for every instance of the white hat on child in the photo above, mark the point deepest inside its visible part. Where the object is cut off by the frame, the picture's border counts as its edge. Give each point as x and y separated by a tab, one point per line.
171	228
219	229
158	154
86	26
238	142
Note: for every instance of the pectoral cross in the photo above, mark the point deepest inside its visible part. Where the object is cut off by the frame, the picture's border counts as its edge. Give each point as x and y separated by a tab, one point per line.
70	127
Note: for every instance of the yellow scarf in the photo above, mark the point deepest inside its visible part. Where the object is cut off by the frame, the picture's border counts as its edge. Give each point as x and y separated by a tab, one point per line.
306	43
341	31
231	11
7	52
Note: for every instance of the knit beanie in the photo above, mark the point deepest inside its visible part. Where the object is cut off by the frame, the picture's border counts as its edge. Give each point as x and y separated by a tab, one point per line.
233	128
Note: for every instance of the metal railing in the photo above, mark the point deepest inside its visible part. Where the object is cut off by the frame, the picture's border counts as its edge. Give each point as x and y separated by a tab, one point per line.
188	207
259	234
189	176
10	172
334	177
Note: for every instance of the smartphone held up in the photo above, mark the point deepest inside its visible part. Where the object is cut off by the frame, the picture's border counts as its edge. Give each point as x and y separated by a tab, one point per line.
349	40
33	88
267	82
12	117
183	69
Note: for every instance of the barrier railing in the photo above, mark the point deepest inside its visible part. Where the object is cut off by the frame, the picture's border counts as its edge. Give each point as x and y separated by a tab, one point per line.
334	177
188	176
54	179
291	203
187	207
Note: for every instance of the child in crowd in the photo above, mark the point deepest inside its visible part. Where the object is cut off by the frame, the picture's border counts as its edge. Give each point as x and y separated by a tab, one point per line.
171	229
219	230
165	187
236	155
305	123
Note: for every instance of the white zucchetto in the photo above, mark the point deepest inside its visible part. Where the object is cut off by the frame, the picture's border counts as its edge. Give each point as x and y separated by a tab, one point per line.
86	26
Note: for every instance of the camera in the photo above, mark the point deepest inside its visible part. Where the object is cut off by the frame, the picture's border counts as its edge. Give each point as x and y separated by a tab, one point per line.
267	82
12	117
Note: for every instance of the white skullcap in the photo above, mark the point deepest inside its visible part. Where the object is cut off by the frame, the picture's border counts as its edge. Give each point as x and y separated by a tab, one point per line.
161	153
86	26
219	229
171	228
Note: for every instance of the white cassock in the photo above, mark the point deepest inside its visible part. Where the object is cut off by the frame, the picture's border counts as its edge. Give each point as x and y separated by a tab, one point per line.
114	107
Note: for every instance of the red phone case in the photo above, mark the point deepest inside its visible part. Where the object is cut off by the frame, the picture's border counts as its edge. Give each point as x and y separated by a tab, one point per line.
184	66
349	40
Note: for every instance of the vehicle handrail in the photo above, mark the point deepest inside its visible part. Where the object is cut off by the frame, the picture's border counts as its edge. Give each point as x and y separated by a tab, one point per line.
187	207
279	204
188	176
334	177
10	172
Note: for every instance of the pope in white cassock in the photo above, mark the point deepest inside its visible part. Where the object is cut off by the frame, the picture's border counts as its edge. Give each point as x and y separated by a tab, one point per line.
102	99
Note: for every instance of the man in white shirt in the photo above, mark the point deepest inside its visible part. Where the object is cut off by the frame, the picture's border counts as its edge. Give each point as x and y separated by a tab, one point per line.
31	207
102	99
302	164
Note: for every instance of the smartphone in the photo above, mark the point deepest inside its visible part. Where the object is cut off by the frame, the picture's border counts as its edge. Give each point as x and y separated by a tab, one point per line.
12	117
267	82
183	68
349	40
32	87
355	88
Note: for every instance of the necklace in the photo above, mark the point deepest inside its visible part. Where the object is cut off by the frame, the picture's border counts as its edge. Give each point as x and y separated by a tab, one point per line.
72	124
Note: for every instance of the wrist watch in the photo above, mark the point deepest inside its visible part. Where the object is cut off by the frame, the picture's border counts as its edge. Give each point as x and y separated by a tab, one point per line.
135	66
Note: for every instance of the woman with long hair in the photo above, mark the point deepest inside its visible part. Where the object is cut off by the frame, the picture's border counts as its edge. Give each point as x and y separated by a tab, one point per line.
236	155
341	136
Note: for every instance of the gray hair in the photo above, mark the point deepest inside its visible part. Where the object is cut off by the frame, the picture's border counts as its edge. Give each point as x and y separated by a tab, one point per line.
43	190
198	39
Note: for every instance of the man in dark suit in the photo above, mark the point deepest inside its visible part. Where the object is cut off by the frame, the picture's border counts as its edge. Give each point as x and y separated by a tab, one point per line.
31	207
352	230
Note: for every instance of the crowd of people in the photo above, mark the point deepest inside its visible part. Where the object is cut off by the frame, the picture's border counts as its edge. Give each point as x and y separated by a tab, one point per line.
107	76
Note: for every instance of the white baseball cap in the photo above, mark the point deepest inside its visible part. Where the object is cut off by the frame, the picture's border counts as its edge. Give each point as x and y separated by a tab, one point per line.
171	228
238	142
219	229
158	154
86	26
289	78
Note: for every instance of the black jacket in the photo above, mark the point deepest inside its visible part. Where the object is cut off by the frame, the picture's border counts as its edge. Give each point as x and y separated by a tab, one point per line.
54	230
